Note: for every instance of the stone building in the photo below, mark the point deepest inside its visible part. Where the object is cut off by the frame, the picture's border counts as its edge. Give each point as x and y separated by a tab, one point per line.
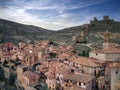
101	83
89	66
83	81
20	70
81	37
51	80
115	79
30	78
106	18
40	54
111	67
21	45
109	52
107	37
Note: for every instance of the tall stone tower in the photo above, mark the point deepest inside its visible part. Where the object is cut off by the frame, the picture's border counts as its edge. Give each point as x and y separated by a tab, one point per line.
106	18
107	37
83	33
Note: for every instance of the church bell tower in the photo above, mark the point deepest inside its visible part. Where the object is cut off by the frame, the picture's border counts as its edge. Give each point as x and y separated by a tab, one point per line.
107	37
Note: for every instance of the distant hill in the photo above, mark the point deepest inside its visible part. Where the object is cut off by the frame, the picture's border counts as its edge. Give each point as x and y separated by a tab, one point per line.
15	32
95	30
13	28
96	26
94	37
9	31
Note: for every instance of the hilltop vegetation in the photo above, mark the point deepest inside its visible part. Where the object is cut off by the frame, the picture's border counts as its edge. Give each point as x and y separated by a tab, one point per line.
15	32
12	31
94	30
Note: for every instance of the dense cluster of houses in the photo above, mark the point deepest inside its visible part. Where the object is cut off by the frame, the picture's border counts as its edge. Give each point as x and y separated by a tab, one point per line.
61	69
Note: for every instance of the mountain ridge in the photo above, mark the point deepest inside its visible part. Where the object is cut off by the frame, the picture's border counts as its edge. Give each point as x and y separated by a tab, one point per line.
10	28
12	31
11	25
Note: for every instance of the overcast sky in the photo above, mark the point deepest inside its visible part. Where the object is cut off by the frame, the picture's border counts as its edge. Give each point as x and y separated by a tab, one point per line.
58	14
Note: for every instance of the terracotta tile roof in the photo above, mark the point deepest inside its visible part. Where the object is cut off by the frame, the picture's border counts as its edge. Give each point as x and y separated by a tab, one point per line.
108	50
51	76
53	66
113	65
54	63
7	54
42	68
74	88
107	32
92	62
83	78
30	74
63	69
101	78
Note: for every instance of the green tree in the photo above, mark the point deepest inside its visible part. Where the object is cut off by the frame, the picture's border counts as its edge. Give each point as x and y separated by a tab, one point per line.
12	79
1	74
52	55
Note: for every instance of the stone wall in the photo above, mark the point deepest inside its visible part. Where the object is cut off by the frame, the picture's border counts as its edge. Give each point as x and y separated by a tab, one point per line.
112	57
115	79
100	56
105	57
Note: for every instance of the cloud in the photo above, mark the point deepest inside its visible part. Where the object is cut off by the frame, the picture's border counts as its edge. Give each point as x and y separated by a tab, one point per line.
54	5
49	14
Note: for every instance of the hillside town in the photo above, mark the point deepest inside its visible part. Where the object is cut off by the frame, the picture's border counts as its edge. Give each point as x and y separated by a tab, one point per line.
56	67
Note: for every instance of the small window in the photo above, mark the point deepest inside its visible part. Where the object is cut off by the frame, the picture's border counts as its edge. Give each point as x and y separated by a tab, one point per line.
74	82
66	59
66	85
79	83
71	81
72	71
66	80
116	72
